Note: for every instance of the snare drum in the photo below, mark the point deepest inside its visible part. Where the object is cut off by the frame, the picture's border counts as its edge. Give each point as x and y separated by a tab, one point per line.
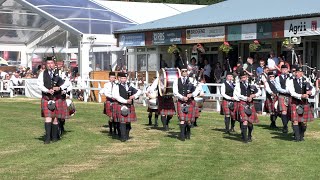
71	107
166	78
153	103
199	101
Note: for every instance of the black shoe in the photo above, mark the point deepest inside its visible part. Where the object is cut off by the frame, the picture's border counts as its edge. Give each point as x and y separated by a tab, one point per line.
285	130
249	139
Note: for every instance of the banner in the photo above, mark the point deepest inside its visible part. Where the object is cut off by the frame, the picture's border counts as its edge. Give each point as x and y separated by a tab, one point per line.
302	27
204	35
277	29
264	30
249	31
137	39
234	33
32	89
166	37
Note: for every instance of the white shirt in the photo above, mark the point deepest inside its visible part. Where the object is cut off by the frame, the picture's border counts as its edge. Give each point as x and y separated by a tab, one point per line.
107	89
223	92
268	89
271	64
207	70
116	95
237	92
180	96
43	88
292	91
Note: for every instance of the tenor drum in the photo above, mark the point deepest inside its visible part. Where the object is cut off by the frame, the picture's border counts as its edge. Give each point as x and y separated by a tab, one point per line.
153	103
199	101
166	78
71	107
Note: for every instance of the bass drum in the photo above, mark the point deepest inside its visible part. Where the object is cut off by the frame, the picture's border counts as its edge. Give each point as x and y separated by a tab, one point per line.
71	107
166	78
199	101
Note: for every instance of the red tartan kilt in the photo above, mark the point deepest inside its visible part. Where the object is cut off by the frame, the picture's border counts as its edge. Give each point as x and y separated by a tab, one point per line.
166	106
269	105
115	114
190	116
108	108
131	116
307	115
227	111
282	106
243	116
61	110
197	110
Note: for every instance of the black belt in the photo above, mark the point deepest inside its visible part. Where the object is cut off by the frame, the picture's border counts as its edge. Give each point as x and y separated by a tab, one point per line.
110	99
284	94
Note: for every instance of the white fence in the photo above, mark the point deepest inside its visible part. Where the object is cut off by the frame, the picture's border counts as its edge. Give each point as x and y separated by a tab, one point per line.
6	87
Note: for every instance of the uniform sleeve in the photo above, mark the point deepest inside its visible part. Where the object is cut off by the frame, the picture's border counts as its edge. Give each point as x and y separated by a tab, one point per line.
137	94
292	91
197	91
269	91
41	83
237	93
223	92
176	90
259	91
116	95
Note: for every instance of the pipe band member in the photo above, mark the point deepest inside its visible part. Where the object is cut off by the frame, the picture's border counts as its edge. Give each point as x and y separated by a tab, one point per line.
151	93
185	91
284	98
108	105
125	93
271	99
52	105
300	89
245	93
229	103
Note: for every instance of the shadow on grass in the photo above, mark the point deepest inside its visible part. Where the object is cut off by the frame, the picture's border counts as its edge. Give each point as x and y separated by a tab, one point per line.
112	135
265	126
172	134
159	128
231	136
282	136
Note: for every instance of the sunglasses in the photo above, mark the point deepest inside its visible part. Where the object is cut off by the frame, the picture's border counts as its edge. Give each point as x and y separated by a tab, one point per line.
293	71
183	70
271	76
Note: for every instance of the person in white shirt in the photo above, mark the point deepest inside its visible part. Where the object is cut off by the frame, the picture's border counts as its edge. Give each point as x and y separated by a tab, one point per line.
151	94
125	93
207	71
108	105
272	63
185	92
272	97
245	93
52	104
300	89
229	103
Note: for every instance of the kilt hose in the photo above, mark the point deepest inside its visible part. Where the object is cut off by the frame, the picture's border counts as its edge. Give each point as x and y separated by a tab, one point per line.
61	110
190	116
166	106
108	108
282	106
307	115
196	110
131	117
269	105
227	111
253	118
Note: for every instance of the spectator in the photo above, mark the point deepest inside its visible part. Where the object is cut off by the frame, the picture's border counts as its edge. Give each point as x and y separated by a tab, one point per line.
217	73
261	67
207	71
272	63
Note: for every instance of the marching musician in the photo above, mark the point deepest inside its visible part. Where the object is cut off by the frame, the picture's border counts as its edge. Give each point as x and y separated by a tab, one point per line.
185	91
108	105
65	92
151	93
300	89
52	105
284	98
125	93
271	99
229	103
245	93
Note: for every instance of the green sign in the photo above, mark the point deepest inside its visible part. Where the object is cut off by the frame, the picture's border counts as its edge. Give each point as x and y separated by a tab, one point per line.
264	30
234	33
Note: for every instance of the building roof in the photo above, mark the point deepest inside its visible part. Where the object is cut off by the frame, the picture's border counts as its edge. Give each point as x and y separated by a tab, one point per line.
141	12
233	12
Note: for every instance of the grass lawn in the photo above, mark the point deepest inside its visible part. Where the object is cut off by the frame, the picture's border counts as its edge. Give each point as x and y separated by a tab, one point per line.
88	152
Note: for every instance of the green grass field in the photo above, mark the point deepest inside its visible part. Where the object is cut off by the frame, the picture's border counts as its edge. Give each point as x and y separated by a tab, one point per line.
88	152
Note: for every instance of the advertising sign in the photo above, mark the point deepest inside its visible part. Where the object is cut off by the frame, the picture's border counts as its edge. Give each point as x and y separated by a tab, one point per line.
234	33
203	35
264	30
302	27
166	37
249	31
136	39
